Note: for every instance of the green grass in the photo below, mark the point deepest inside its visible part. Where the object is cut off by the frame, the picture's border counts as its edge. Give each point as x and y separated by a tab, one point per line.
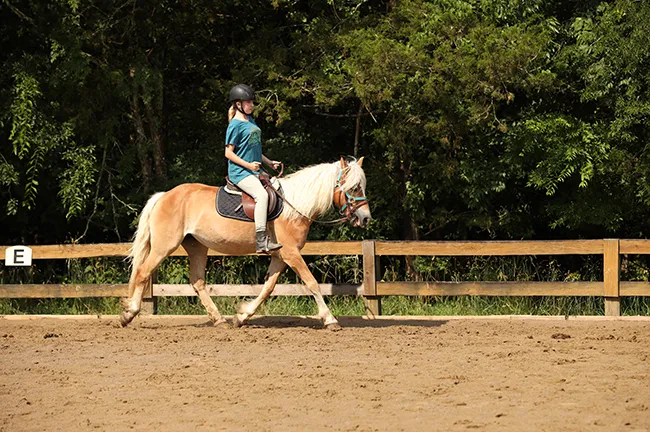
343	305
72	306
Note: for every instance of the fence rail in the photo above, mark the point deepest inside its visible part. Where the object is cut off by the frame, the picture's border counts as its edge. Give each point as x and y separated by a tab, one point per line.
372	289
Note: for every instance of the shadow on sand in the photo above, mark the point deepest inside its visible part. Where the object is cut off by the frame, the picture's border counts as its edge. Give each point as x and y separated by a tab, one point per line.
346	322
280	322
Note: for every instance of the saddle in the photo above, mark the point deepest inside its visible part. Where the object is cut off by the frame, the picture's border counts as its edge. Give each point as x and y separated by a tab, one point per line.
232	202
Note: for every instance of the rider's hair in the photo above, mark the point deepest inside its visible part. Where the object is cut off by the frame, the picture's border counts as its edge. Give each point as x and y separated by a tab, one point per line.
232	111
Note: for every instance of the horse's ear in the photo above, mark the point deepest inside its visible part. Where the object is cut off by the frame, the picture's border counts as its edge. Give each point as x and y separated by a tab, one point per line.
343	162
360	161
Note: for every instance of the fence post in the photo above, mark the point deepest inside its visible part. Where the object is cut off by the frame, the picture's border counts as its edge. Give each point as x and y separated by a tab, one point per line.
370	272
611	277
149	302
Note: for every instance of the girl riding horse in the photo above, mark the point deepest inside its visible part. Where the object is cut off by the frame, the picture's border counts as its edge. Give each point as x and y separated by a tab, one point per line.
244	154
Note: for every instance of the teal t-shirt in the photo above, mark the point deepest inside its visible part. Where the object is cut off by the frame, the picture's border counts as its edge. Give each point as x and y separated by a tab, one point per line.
246	136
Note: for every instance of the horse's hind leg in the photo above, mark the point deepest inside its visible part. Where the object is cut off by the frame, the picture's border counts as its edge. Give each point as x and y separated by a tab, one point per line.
247	309
198	255
159	251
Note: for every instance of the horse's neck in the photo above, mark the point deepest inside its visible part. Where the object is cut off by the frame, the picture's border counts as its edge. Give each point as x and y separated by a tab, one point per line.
310	192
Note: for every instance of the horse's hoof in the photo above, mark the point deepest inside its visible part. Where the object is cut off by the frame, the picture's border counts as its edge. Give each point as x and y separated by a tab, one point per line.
125	318
221	324
236	322
334	327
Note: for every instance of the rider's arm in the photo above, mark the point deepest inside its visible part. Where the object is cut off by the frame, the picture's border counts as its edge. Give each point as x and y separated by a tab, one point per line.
270	162
230	155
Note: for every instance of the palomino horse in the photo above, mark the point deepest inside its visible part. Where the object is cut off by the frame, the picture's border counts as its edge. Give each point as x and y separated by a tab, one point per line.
186	216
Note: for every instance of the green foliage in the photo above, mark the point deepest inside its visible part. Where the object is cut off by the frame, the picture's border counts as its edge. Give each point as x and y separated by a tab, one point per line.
467	109
564	147
35	138
77	180
479	119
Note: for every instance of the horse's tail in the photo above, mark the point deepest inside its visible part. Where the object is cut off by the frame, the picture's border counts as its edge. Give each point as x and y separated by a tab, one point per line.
141	240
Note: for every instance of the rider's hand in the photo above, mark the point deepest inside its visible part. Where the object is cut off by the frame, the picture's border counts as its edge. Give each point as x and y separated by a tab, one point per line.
276	164
254	166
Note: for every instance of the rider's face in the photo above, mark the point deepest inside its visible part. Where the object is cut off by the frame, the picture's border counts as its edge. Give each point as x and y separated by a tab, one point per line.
248	106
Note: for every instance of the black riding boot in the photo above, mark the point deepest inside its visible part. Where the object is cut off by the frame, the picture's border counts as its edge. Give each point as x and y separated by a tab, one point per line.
264	244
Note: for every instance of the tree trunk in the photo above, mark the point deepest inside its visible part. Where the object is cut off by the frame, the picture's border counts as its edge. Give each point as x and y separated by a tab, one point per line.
140	138
358	130
154	113
408	228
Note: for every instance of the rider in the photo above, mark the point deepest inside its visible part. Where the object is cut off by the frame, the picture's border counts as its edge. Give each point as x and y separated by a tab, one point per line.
244	154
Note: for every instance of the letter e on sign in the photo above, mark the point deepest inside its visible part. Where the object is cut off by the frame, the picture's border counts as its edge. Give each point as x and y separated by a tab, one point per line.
18	256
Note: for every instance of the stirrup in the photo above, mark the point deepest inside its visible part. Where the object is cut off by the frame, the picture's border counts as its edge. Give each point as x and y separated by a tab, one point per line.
263	244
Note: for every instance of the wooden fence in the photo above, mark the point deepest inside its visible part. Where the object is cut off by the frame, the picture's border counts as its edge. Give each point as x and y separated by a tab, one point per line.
372	288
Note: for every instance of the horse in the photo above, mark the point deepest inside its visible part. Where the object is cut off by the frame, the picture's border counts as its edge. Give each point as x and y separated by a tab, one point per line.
186	216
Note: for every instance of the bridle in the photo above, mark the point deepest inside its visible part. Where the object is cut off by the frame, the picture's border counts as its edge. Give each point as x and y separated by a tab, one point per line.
351	203
346	208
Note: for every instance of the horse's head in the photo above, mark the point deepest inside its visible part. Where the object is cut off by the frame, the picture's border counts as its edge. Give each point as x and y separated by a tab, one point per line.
350	193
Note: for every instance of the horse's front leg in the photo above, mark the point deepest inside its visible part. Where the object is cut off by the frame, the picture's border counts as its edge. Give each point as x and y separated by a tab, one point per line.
247	309
198	255
294	259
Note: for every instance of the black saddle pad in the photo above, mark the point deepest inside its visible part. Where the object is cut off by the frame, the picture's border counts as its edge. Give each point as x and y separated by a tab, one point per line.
229	205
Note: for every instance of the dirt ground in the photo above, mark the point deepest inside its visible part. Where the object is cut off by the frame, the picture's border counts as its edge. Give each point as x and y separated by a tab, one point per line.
287	374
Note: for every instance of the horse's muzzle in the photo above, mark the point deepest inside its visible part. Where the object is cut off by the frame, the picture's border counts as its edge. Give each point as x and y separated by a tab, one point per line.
363	221
361	217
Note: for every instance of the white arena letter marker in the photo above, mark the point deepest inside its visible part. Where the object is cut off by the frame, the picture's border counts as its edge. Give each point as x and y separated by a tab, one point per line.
20	256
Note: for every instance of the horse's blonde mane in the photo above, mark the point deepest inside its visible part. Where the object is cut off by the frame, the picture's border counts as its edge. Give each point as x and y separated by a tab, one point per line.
311	190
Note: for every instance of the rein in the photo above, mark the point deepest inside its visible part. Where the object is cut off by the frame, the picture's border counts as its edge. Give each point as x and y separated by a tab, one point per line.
352	204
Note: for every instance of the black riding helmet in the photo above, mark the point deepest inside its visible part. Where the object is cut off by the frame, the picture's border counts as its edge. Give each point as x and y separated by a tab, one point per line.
241	92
